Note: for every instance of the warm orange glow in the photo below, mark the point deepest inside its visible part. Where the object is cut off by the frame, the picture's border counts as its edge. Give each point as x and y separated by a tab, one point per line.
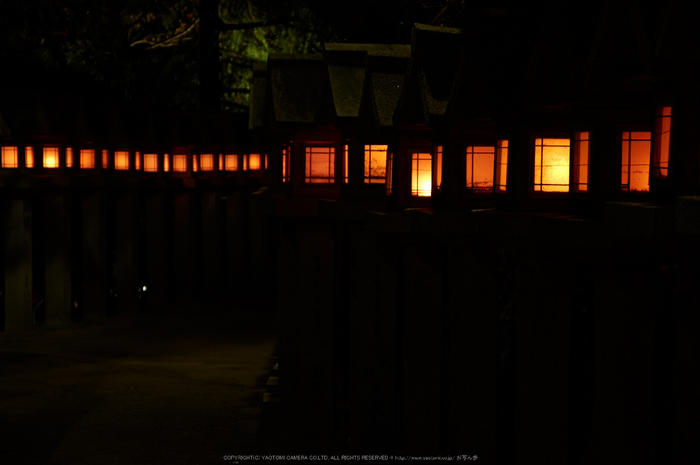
179	163
375	164
87	159
501	177
29	157
662	142
121	160
206	162
582	152
320	165
10	158
346	175
421	174
105	159
50	157
221	162
150	162
265	161
254	161
438	167
480	163
195	164
69	157
137	161
231	162
552	165
166	163
389	171
285	164
636	154
245	162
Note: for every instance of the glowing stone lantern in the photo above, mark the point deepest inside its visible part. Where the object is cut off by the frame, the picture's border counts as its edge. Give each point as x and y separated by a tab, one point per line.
69	157
552	165
206	162
636	154
121	160
10	158
179	163
421	174
137	161
437	168
29	157
166	163
662	142
581	161
501	171
231	162
480	168
375	164
150	162
195	164
87	159
105	159
254	161
51	157
320	164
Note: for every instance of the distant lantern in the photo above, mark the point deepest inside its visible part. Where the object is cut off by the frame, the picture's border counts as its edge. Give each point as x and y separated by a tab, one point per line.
150	162
389	172
421	174
245	162
437	167
221	162
105	159
231	162
69	157
87	159
29	157
636	154
552	158
121	160
10	158
582	153
166	162
480	168
662	142
51	157
500	178
137	161
179	163
319	165
375	164
346	175
285	163
206	162
254	161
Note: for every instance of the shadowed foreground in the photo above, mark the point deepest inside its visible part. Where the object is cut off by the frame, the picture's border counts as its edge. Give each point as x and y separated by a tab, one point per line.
181	389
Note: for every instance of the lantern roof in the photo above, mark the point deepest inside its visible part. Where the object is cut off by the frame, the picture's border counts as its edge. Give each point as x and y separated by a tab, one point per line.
296	85
431	73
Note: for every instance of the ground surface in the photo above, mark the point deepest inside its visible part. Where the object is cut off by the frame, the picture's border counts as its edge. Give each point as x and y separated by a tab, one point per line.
182	389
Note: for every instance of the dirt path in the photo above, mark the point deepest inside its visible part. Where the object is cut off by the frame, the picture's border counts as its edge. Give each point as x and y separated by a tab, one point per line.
177	390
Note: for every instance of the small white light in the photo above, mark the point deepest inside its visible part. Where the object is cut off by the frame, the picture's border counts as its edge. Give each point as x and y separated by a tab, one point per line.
144	288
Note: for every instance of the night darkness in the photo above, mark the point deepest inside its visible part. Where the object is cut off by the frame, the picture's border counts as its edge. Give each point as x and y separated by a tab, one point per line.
262	230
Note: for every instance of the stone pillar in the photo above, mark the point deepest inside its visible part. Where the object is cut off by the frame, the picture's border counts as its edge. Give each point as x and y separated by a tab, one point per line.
183	252
687	366
472	302
94	256
373	356
156	247
422	342
58	258
18	261
212	246
542	351
623	394
127	248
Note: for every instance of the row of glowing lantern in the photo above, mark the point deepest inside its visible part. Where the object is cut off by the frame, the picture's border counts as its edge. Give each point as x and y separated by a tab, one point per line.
147	162
559	165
